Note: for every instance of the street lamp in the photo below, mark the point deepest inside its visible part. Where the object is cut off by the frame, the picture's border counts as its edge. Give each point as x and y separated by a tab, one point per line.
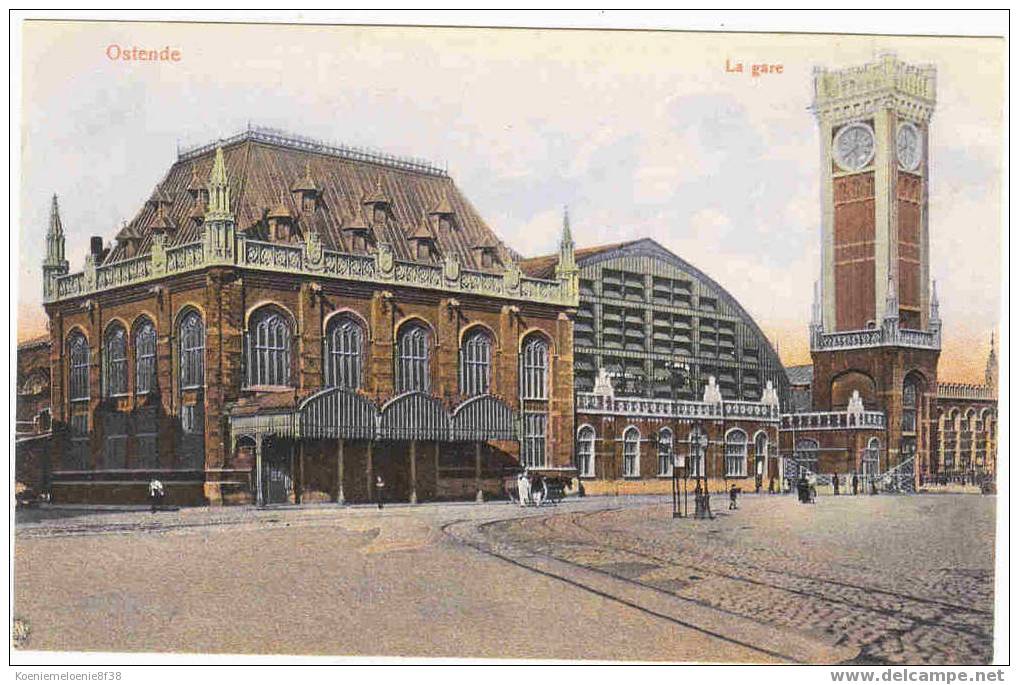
702	501
679	373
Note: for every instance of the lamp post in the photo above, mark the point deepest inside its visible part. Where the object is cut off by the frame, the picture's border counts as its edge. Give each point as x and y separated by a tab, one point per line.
679	373
702	501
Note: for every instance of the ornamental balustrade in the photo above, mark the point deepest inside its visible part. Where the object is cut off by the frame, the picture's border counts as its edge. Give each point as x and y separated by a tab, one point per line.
965	391
311	260
876	337
832	420
596	403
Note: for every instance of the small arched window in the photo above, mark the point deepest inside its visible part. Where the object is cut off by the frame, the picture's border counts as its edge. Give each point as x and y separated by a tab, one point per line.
192	350
115	361
78	360
665	452
144	357
631	453
585	451
413	359
344	353
476	363
534	369
871	456
735	454
269	348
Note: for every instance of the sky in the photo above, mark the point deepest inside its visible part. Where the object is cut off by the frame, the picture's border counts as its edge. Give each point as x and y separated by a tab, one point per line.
639	133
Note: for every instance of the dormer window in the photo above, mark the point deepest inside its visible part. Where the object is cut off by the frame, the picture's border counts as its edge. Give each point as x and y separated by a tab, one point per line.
196	188
281	223
359	237
378	202
307	191
442	214
488	255
423	245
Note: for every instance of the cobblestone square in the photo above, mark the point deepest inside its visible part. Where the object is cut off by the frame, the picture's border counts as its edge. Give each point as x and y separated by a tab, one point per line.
885	579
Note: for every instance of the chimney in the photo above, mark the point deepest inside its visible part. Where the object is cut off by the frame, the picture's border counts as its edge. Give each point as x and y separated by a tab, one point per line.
95	245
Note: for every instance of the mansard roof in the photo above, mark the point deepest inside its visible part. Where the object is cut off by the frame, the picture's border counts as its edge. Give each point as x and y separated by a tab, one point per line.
262	167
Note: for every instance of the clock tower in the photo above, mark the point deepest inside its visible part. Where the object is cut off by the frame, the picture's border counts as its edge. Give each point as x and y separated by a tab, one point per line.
875	327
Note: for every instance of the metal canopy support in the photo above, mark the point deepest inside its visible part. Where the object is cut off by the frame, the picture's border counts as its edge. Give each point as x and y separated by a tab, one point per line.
339	472
370	478
413	472
480	496
258	471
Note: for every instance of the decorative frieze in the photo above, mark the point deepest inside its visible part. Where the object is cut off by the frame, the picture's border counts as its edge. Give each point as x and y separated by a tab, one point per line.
310	258
886	336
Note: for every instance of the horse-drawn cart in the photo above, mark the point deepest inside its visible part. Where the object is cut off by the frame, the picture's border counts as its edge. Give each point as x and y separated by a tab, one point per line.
539	485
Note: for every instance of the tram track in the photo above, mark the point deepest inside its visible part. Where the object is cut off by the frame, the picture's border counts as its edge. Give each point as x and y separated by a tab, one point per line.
524	558
572	530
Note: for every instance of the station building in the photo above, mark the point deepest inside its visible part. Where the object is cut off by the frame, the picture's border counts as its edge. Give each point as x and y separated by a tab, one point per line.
284	320
668	368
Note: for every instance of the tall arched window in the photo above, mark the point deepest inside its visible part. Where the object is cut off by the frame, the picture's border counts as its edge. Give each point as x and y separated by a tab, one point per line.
413	358
192	350
144	356
268	348
78	360
344	353
476	363
760	453
697	444
534	369
115	361
585	451
665	452
631	453
735	454
910	404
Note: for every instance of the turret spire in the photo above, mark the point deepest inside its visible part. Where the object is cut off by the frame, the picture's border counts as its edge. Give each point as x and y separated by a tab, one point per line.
935	313
566	269
54	265
219	190
991	370
891	300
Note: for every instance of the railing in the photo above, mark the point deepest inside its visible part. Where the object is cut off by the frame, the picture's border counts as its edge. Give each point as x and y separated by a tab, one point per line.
595	403
126	271
876	337
282	138
965	391
832	420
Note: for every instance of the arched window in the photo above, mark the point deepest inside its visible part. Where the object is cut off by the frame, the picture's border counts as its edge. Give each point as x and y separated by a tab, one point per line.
115	361
535	431
631	453
697	444
269	348
760	453
910	403
476	363
144	356
413	357
585	451
534	369
78	360
735	454
344	353
192	350
870	462
665	452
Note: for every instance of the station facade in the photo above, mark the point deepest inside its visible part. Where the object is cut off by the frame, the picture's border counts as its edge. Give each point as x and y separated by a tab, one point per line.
285	321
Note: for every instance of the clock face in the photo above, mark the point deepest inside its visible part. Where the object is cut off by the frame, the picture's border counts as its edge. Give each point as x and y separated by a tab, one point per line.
854	147
907	146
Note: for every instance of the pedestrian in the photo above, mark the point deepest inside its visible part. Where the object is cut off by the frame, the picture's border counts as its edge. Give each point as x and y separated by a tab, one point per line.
523	487
733	492
156	493
771	485
835	483
856	484
380	490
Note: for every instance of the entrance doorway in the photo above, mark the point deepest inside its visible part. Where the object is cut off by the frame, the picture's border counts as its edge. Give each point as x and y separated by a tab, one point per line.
277	472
